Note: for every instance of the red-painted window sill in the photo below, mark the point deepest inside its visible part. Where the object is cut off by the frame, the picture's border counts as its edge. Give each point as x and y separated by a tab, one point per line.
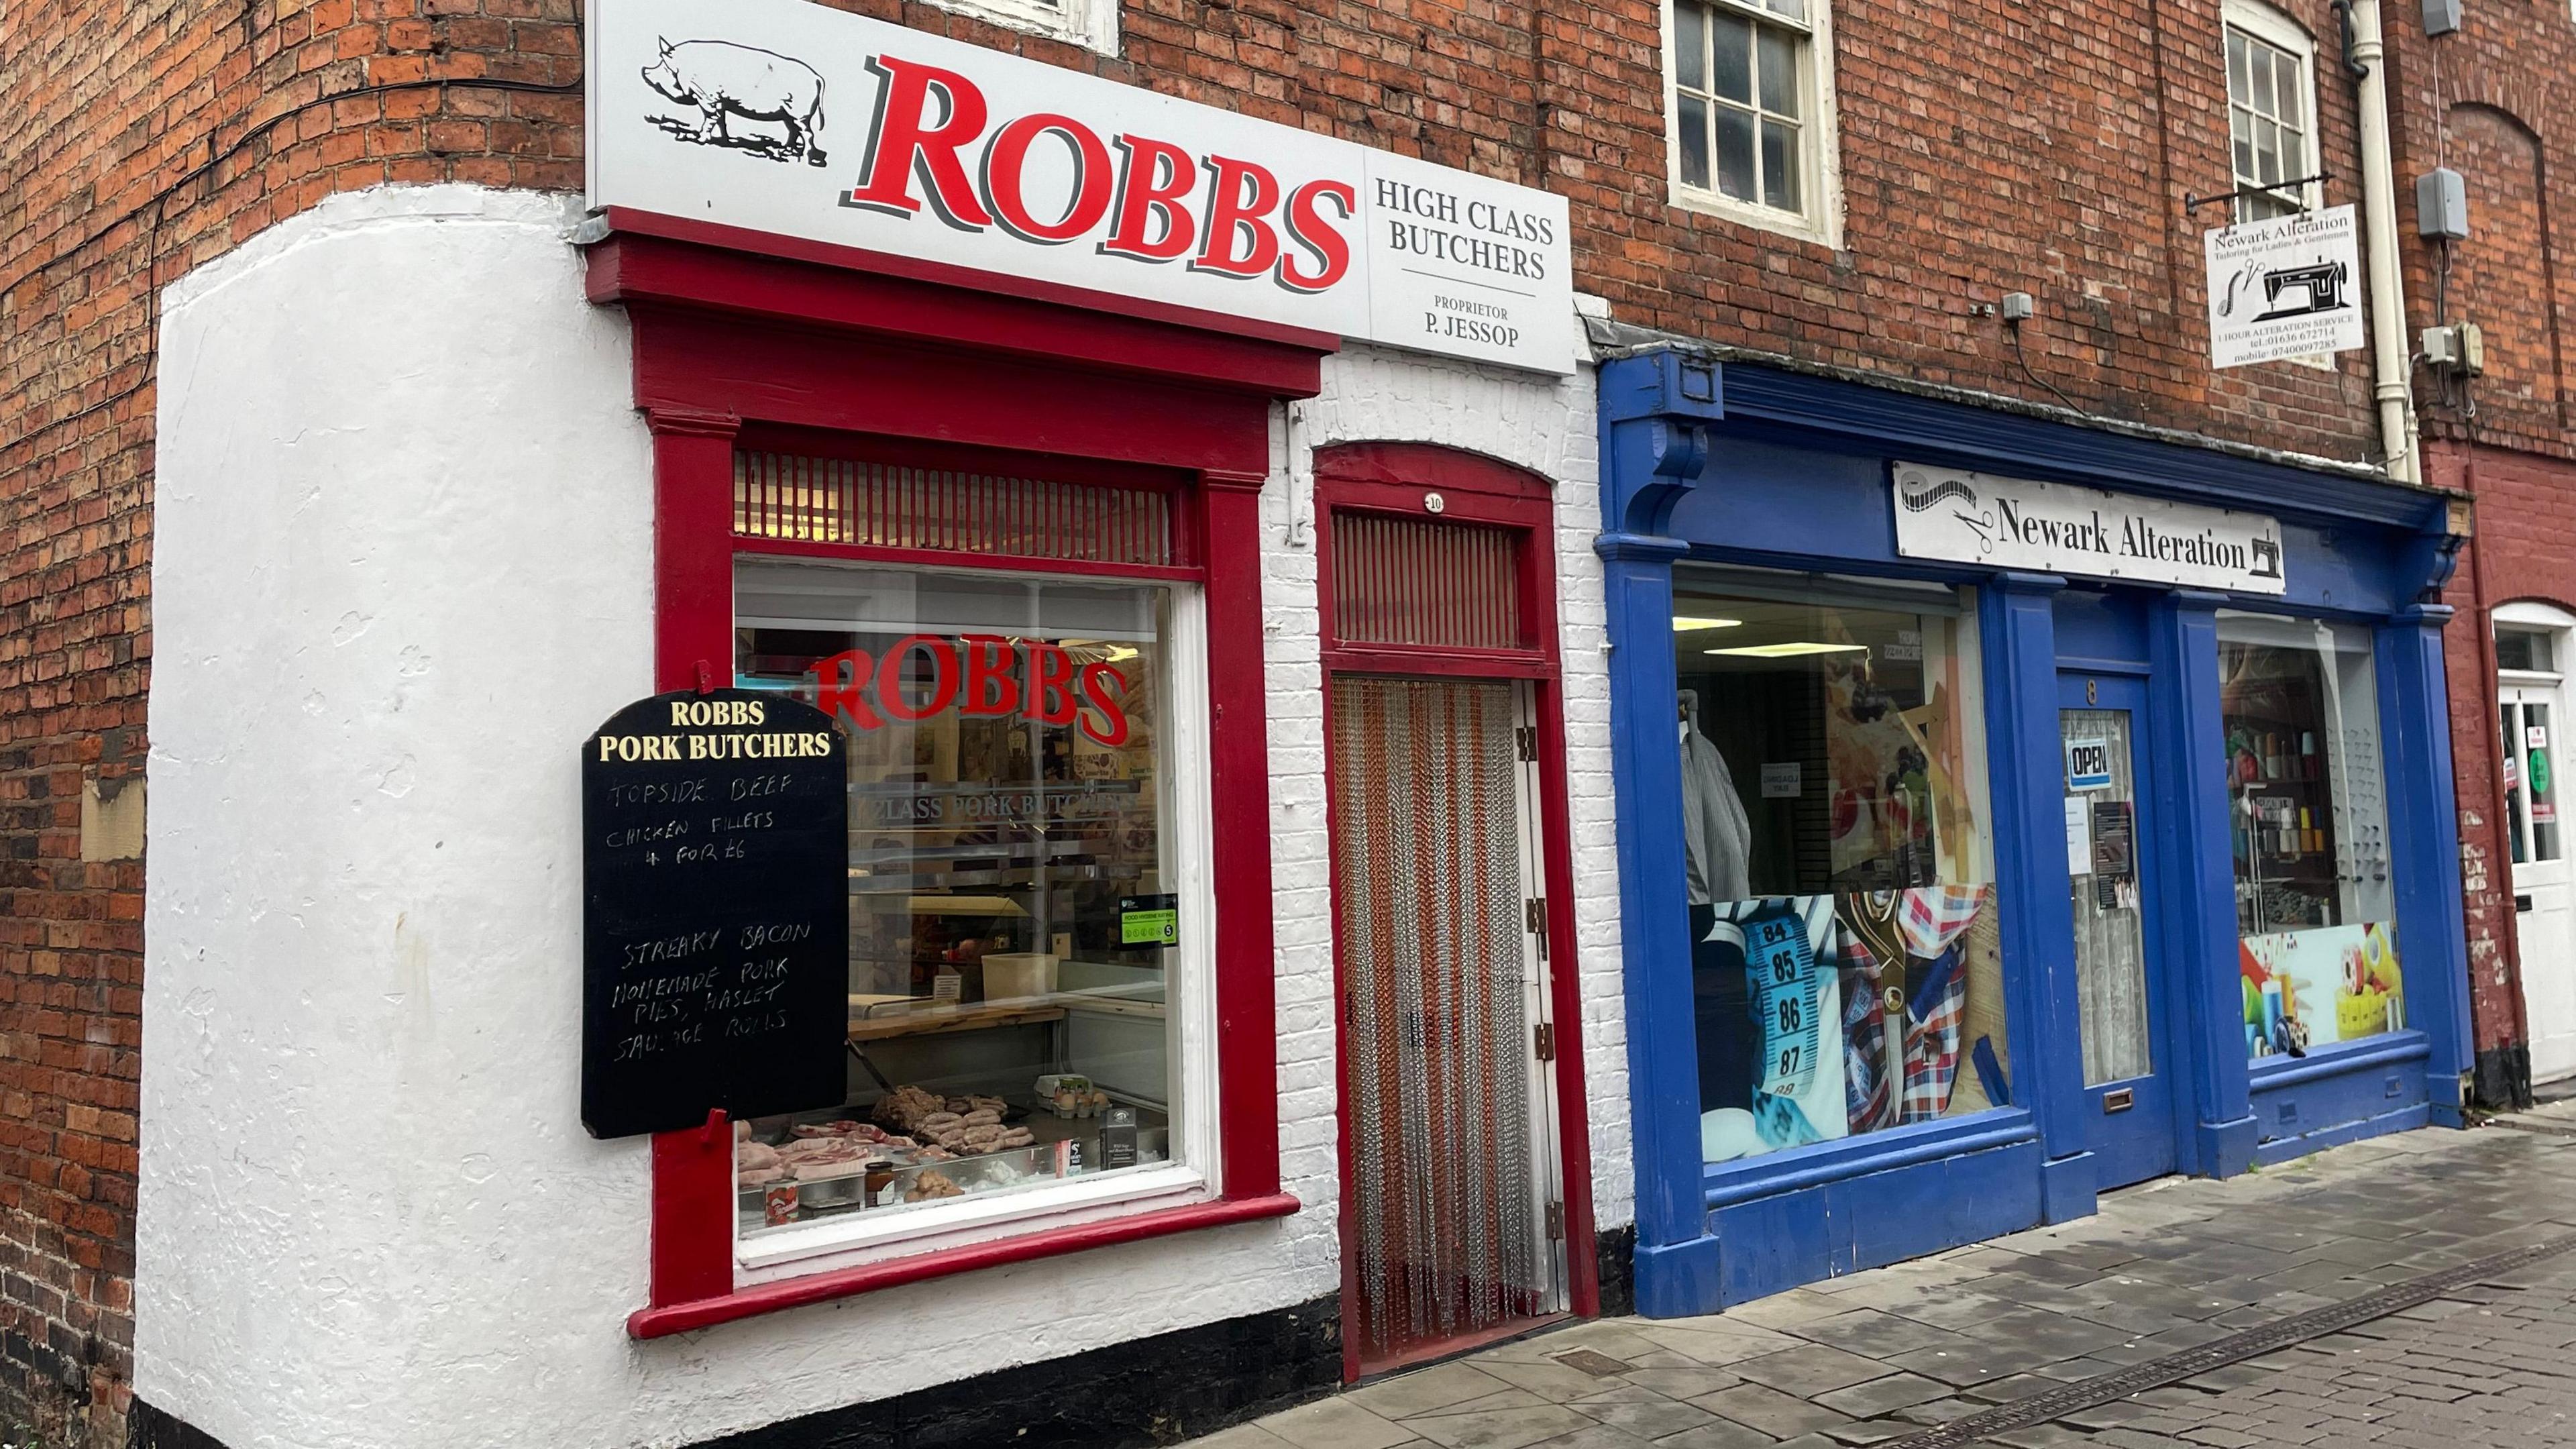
669	1318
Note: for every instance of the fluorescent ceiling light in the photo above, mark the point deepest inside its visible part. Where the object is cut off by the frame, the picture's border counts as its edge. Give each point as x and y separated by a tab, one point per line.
1685	623
1789	651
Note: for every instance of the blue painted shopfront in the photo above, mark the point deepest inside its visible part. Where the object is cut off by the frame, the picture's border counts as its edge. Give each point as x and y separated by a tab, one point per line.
1713	466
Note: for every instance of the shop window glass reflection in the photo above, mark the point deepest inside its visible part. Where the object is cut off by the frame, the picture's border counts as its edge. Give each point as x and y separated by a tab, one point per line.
1012	921
2315	909
1846	963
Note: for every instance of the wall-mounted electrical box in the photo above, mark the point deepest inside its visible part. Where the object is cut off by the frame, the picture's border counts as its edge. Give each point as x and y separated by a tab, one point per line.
2442	205
2459	348
2441	17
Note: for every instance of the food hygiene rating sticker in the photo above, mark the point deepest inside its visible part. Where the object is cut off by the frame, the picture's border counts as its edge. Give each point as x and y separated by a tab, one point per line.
1149	920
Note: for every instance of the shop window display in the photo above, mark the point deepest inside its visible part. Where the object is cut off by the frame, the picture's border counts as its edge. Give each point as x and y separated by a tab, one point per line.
1847	973
2308	833
1016	927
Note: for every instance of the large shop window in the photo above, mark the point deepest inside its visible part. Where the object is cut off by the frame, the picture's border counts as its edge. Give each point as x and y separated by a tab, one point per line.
1028	936
1846	971
2315	910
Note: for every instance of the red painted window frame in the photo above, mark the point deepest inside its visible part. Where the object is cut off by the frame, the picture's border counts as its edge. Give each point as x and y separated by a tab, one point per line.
1394	479
838	349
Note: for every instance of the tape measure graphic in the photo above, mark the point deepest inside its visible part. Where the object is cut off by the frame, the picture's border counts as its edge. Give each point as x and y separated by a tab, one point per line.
1783	975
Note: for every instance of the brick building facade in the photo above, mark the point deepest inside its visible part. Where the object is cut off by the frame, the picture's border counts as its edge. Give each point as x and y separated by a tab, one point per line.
155	138
2487	102
1978	151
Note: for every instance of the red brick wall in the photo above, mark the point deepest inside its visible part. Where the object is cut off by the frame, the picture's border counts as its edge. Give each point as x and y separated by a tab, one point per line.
148	136
2527	531
2491	102
1987	147
2500	277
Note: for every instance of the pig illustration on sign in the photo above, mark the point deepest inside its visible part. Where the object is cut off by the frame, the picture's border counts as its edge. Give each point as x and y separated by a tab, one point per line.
725	81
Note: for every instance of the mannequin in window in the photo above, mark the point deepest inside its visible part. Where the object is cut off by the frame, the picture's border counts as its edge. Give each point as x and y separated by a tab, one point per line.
1716	834
1717	839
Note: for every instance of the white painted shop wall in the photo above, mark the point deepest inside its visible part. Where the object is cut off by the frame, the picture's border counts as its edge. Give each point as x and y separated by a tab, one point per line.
402	565
1545	425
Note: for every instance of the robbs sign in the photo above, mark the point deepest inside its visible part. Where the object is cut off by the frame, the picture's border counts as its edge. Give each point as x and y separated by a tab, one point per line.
786	117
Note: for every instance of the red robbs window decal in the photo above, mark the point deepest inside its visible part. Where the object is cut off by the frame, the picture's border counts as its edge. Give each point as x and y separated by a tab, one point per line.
977	675
1164	202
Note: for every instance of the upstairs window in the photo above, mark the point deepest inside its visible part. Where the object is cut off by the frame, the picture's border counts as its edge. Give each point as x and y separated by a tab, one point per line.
2271	113
1751	107
1092	24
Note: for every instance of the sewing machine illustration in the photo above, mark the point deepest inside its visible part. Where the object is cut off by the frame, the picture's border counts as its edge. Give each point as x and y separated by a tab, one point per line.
2320	288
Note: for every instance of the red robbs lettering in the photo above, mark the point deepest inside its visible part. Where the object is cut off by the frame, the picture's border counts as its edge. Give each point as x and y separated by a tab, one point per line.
1151	182
1159	201
1005	174
1241	197
1050	684
992	679
1320	238
905	144
1101	688
942	654
841	687
981	676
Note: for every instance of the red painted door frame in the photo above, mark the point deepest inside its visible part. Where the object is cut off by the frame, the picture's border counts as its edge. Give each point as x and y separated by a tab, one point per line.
728	343
1393	479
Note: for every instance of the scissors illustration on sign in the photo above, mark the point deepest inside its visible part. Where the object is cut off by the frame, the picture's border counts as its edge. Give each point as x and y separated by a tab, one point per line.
1920	494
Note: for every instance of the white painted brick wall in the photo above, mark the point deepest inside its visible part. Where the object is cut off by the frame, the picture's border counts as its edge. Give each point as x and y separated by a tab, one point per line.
1546	426
323	987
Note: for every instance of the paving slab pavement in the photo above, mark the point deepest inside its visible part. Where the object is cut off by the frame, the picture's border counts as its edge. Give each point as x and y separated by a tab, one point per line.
1891	1355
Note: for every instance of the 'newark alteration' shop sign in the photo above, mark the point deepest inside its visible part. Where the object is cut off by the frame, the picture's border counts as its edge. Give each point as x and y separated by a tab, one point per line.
2056	528
789	118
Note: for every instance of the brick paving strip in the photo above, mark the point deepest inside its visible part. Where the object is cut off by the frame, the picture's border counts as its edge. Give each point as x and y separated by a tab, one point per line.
2371	1293
2252	1343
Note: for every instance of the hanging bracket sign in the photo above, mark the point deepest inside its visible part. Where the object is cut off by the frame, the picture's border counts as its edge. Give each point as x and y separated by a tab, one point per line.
2284	287
715	921
803	121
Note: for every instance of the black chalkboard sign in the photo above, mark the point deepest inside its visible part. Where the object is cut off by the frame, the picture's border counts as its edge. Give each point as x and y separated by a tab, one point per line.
715	928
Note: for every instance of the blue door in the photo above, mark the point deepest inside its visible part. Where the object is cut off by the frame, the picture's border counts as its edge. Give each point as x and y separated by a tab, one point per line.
2120	978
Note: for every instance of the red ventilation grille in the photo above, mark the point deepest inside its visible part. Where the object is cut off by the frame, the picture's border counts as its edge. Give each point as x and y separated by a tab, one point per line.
883	505
1409	581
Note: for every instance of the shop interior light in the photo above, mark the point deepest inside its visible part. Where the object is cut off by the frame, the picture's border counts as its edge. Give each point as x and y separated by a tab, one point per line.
1100	649
1788	651
1686	623
965	906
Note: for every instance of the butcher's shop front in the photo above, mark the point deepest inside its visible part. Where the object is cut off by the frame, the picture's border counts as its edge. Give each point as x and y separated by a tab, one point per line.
904	780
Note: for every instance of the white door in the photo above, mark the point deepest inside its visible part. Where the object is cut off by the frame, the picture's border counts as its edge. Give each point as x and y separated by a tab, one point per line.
2533	713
